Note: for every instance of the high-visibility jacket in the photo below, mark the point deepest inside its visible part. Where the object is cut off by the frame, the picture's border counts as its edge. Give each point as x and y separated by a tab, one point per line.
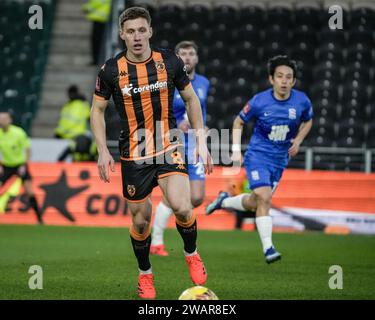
74	119
14	144
97	10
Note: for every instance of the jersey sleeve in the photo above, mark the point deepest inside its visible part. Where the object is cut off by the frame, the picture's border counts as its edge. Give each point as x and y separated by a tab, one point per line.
104	83
307	112
249	110
181	79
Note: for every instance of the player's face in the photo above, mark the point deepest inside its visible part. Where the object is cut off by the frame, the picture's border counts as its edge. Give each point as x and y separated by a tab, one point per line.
282	81
136	34
5	120
189	57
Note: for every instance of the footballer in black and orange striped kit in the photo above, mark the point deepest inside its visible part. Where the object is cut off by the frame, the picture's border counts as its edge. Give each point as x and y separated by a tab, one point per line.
141	82
143	95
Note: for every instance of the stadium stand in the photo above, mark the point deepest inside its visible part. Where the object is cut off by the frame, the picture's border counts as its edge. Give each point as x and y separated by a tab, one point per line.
237	38
23	53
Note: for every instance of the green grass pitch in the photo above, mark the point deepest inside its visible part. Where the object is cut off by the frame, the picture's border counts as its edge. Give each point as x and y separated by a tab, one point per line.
98	263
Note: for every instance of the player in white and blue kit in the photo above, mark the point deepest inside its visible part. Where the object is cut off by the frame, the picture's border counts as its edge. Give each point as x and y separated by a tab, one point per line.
188	52
282	119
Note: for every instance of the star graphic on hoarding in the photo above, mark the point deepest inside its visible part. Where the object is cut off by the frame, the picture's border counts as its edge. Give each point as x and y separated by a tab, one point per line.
58	194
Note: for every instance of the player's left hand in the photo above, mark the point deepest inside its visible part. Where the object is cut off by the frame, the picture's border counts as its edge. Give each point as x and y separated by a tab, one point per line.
293	150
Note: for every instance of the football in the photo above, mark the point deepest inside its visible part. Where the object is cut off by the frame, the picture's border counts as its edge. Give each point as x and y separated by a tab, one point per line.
198	293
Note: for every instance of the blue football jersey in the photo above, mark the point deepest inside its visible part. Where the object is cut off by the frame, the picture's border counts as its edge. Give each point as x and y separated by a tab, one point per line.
201	86
276	123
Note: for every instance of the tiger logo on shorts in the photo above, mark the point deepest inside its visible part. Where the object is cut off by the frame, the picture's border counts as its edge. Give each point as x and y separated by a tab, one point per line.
131	190
177	159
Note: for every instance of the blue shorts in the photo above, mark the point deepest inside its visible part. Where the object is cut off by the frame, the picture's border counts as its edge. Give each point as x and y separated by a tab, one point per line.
196	171
263	175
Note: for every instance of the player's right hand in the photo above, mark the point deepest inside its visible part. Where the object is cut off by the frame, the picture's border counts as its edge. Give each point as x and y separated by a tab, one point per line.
184	125
105	161
237	158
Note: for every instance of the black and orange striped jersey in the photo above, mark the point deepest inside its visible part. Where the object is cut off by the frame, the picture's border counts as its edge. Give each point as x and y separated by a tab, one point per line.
143	96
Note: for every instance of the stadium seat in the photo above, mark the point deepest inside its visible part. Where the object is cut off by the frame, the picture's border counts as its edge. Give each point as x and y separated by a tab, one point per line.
318	92
350	142
249	32
362	74
330	52
249	13
359	94
307	15
280	15
359	59
225	14
198	13
327	131
320	141
335	37
242	71
170	12
363	16
370	137
246	50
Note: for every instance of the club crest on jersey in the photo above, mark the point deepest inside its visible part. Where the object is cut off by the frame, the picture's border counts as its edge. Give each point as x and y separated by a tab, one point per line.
246	109
160	66
131	190
292	113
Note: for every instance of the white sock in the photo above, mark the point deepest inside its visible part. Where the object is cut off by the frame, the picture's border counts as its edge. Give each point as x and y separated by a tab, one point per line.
190	254
234	202
162	214
149	271
264	226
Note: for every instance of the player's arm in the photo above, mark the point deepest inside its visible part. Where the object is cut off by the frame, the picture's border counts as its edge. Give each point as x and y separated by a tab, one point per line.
237	128
105	160
303	131
194	112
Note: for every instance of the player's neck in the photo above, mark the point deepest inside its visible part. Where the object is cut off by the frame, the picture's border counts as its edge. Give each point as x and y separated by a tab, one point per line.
139	58
192	75
280	96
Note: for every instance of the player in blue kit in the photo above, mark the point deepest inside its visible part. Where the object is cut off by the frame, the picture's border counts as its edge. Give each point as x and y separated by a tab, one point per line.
283	118
188	52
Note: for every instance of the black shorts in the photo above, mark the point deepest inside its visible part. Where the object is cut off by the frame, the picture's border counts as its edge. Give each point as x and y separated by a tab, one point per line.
8	172
139	179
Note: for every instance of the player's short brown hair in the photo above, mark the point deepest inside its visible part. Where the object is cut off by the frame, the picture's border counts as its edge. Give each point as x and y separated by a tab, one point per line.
134	13
186	44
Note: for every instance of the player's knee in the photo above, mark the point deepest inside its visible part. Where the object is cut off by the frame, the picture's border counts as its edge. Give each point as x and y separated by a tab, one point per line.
197	201
249	202
141	223
182	211
264	199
